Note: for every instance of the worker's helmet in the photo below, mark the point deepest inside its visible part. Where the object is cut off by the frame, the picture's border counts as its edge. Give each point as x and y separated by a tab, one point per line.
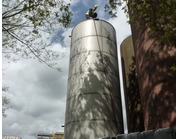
96	6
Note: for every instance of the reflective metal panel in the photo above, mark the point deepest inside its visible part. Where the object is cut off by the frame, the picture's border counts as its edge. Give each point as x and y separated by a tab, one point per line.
78	130
93	28
93	60
90	106
87	82
93	43
93	107
93	81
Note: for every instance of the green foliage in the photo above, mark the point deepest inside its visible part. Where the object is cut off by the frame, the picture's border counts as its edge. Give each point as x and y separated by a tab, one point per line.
158	16
25	21
133	80
5	101
133	100
112	7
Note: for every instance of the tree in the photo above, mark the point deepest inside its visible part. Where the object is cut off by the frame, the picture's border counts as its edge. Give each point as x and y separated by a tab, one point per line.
158	16
5	101
154	32
133	100
112	7
24	22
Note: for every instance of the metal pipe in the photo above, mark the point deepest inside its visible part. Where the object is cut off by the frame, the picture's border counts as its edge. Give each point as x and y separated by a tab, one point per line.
124	112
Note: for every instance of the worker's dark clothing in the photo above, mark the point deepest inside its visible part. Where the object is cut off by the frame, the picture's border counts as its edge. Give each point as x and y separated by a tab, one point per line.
91	14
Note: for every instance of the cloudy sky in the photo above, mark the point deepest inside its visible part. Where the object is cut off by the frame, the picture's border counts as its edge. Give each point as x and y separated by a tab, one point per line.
37	92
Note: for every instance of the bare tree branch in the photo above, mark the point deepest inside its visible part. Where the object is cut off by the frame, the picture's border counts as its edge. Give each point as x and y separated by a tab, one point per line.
29	47
9	11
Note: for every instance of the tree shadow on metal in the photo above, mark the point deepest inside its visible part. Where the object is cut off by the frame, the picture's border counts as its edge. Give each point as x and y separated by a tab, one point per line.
93	101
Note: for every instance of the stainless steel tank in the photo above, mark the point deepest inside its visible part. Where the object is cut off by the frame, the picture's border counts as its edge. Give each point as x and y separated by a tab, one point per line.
93	107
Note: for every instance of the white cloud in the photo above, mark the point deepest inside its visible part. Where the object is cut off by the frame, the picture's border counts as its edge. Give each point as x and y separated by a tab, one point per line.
38	96
15	126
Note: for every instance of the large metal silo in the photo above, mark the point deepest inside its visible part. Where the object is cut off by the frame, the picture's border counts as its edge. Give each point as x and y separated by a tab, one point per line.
93	107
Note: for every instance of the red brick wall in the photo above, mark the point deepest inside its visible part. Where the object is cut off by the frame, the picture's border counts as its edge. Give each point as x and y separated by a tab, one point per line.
157	82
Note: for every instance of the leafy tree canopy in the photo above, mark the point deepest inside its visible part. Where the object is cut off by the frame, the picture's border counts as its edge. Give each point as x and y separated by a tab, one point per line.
112	7
5	101
24	22
158	16
26	27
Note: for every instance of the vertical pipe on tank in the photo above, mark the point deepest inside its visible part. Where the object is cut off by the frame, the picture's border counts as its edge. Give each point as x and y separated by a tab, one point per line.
93	107
123	99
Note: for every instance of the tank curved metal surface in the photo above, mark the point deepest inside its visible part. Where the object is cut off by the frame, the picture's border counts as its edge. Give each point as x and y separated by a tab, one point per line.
93	107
